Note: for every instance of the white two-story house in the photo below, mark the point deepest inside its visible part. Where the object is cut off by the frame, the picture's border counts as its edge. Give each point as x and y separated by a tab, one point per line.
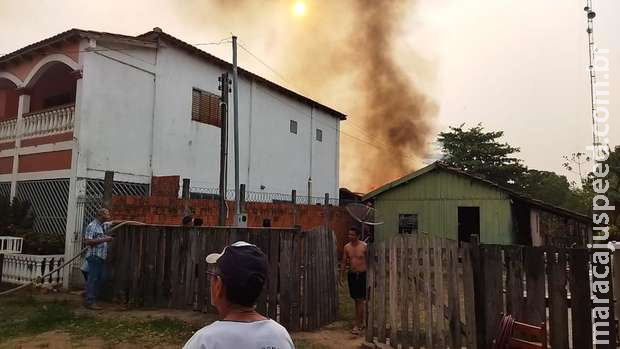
82	102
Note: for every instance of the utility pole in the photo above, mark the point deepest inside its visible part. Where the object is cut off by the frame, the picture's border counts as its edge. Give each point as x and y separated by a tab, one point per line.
224	83
239	219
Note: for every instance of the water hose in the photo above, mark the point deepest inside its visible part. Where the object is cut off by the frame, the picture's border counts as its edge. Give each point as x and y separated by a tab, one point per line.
39	279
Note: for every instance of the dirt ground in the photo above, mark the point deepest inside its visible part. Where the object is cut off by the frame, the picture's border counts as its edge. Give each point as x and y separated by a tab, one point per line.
334	336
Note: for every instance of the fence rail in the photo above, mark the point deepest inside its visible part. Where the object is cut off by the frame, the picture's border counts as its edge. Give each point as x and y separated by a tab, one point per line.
24	268
259	196
540	285
8	130
165	266
11	244
49	121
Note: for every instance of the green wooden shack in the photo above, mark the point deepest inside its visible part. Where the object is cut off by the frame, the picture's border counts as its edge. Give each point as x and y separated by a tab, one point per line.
445	201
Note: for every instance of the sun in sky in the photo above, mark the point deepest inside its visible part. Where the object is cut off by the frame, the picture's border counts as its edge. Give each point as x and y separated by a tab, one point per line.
299	9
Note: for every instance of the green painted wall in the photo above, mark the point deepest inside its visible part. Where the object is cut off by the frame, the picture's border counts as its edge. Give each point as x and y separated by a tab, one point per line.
435	198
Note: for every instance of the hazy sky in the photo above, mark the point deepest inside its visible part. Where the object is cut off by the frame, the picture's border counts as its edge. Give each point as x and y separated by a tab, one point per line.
517	66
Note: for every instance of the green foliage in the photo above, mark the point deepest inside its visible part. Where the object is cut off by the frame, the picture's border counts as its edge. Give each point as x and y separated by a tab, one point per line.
29	317
38	243
614	180
548	186
14	215
478	151
16	219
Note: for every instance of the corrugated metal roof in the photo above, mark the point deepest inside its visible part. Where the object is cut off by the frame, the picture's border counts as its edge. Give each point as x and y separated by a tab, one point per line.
153	37
438	165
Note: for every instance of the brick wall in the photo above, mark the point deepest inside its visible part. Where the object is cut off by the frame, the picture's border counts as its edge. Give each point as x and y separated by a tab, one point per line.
170	210
167	186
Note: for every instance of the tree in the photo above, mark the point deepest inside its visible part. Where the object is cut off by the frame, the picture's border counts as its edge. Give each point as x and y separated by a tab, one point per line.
575	163
613	193
547	186
477	151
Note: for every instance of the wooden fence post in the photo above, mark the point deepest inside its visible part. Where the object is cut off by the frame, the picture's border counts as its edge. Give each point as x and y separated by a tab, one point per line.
370	286
326	212
294	202
479	297
185	195
616	285
242	193
1	265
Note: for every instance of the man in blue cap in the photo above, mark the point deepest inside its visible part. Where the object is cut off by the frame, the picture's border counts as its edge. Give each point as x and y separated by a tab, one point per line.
237	280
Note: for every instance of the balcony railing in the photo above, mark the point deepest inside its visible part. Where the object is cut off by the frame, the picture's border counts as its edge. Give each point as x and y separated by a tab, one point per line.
8	129
23	268
49	121
11	244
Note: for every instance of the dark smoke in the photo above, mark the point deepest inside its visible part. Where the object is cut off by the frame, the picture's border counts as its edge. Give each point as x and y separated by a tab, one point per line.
343	53
395	112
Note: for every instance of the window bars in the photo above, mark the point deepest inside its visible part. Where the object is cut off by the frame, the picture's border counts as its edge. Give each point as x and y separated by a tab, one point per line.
93	200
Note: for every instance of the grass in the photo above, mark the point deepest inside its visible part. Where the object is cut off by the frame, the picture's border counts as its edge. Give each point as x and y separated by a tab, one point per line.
346	309
25	316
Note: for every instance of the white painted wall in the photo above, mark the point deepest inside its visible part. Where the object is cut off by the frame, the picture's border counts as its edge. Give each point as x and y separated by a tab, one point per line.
120	104
116	114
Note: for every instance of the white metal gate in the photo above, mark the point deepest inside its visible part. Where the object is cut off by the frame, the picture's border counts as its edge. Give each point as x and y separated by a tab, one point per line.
5	189
48	199
87	206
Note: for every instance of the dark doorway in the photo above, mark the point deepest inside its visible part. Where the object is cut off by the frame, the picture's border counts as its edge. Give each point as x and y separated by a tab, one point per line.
469	222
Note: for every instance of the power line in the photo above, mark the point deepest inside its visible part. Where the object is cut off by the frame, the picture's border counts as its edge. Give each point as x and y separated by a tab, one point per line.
377	145
265	64
281	76
380	146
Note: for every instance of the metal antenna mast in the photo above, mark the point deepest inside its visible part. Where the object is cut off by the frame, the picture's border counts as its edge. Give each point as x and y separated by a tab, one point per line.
592	50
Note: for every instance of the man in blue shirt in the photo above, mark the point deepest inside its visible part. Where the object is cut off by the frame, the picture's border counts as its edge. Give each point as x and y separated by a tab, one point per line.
97	241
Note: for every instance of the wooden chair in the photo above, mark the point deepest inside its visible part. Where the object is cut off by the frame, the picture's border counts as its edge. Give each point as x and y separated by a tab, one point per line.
513	334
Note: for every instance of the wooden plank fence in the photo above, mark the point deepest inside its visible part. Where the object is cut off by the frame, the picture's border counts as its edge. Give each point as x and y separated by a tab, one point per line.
427	280
164	266
426	292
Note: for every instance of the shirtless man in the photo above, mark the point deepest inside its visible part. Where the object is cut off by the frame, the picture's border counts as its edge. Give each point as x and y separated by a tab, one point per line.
355	256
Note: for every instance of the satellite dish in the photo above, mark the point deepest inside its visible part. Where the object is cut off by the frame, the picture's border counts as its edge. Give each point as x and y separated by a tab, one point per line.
364	214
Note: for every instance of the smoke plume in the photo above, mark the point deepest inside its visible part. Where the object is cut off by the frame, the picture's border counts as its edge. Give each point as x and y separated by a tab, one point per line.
342	53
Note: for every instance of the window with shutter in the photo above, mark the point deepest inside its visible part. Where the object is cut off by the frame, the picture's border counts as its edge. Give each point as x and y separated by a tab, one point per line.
206	108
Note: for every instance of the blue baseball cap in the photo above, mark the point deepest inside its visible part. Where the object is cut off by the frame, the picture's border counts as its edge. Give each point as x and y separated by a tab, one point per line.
241	263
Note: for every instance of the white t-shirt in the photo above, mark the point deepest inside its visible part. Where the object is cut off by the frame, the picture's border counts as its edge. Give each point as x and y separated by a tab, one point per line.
263	334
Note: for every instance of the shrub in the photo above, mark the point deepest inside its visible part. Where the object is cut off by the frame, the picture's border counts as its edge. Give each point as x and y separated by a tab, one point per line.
16	219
